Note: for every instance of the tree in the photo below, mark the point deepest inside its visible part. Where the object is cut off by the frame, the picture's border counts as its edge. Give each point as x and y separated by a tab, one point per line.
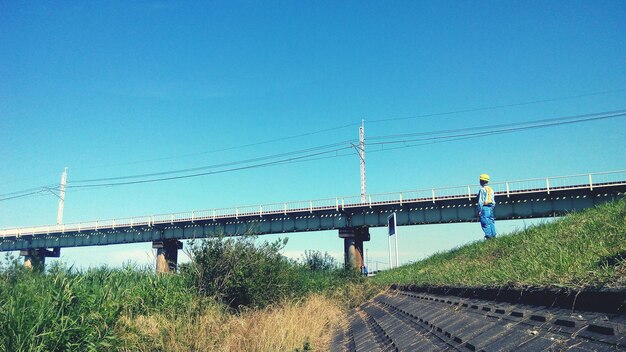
316	261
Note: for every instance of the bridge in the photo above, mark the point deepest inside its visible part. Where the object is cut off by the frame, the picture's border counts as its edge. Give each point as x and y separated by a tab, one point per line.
351	216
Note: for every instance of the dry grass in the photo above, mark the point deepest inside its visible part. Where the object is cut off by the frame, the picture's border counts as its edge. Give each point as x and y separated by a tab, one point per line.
286	327
283	327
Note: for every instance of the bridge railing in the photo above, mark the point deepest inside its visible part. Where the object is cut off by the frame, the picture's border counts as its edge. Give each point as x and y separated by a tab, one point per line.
276	208
469	192
355	201
581	181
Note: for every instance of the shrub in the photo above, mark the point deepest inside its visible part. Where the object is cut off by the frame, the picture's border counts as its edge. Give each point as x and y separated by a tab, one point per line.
239	272
316	261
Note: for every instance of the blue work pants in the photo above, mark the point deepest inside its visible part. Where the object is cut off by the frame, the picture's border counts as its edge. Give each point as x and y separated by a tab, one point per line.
487	222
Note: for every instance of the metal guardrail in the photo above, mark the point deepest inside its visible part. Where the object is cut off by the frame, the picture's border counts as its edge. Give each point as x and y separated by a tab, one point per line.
537	185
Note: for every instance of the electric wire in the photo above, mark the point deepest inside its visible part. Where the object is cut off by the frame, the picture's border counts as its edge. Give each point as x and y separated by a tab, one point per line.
309	157
27	190
436	140
566	118
23	195
210	172
495	107
230	148
461	111
268	157
439	139
578	117
507	130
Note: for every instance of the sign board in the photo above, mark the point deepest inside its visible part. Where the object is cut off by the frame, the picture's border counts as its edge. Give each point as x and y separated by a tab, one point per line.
391	224
392	228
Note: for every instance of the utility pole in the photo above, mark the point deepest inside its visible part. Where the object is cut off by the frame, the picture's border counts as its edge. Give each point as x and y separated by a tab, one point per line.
362	156
62	196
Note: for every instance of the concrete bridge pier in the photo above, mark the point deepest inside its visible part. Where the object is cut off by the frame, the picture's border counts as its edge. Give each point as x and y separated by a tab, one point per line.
353	238
36	258
167	255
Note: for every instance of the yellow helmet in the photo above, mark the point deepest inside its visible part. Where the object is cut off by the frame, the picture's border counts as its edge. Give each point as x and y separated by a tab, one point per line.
484	177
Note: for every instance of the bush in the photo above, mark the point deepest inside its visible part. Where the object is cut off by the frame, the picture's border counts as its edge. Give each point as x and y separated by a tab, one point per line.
240	273
316	261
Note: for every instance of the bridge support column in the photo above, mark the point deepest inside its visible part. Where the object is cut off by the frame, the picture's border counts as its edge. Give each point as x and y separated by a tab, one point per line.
353	238
167	255
36	258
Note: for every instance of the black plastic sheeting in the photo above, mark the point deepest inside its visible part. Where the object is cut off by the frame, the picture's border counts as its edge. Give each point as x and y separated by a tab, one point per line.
412	318
606	300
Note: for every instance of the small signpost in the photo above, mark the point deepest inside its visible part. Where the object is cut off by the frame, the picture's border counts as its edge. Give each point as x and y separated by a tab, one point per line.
392	230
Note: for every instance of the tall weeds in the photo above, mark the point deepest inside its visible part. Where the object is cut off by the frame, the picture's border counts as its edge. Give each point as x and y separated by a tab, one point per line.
239	297
65	310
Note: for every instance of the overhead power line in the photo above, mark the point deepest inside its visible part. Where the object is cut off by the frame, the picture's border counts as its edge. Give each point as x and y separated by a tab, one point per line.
274	140
214	166
436	140
531	124
28	192
324	152
448	138
22	195
501	106
241	146
212	172
486	131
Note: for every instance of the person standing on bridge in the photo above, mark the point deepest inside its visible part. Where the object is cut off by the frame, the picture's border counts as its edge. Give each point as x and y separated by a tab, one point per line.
486	203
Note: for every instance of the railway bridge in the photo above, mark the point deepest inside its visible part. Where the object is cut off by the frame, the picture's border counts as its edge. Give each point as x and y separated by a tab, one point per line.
350	216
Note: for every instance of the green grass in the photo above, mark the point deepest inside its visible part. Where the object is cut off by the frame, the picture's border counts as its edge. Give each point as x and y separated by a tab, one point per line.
586	249
69	310
65	310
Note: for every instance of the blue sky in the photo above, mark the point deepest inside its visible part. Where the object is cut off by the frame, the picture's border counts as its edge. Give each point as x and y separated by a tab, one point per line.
124	88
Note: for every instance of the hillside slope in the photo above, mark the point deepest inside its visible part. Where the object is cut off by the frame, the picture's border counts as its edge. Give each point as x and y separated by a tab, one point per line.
586	249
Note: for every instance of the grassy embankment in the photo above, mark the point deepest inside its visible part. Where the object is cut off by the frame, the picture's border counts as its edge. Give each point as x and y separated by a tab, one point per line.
585	249
287	306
